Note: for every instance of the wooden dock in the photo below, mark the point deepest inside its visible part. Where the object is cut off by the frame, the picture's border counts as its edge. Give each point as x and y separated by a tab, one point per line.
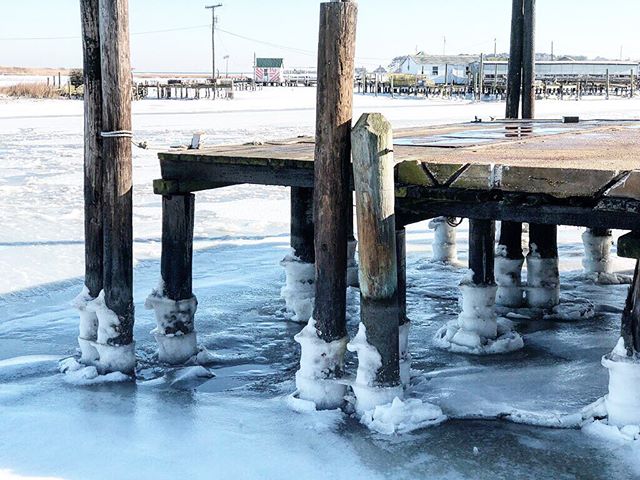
584	173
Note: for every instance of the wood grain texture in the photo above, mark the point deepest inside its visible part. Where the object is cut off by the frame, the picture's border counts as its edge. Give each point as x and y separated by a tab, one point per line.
481	251
116	152
373	175
93	168
528	59
336	53
514	74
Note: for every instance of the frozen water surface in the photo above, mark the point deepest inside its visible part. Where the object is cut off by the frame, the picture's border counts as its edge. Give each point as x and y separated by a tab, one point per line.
177	423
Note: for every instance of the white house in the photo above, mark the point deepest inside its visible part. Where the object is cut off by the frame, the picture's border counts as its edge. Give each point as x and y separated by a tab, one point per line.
439	69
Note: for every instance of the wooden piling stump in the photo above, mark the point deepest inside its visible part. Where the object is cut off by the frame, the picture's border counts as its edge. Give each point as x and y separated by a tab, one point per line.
372	141
302	230
543	277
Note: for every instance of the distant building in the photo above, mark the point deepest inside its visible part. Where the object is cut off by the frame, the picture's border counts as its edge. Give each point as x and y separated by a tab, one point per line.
269	71
564	69
301	76
440	69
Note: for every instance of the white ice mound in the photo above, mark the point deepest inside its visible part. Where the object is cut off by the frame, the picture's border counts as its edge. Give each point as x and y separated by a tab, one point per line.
400	416
597	252
444	241
477	330
623	400
299	289
368	394
79	374
320	362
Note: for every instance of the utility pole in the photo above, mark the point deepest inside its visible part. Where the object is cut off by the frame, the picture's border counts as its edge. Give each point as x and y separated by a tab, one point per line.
213	39
552	58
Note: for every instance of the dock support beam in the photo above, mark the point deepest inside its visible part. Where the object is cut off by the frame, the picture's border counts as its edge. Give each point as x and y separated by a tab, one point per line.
299	290
324	339
543	277
477	330
173	302
377	342
93	180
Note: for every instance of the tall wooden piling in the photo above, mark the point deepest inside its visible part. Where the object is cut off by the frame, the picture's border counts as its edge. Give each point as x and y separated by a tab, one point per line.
177	248
93	168
336	53
401	265
528	59
514	74
374	186
116	152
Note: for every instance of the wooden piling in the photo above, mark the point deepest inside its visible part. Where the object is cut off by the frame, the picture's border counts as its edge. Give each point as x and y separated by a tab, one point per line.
374	186
481	254
302	223
545	238
514	74
528	59
511	239
177	247
116	152
607	84
336	53
93	168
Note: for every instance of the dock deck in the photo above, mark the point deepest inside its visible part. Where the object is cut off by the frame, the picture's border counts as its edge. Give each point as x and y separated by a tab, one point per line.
546	171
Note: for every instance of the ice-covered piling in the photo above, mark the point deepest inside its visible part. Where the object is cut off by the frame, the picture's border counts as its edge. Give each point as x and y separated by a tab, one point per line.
173	301
88	329
508	265
377	343
477	329
543	275
444	241
597	260
299	289
623	400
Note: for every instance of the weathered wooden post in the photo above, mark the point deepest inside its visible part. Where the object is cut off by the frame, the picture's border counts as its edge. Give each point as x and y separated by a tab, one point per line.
300	272
477	330
509	258
528	59
114	309
173	301
93	179
597	261
323	341
377	342
607	84
403	321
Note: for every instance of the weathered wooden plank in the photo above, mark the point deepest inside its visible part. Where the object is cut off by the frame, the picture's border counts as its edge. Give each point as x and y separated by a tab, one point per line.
174	187
116	152
627	187
334	99
373	177
93	168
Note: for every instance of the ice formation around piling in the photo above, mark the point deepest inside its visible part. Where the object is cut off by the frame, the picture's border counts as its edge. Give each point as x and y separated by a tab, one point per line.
400	416
477	330
299	289
320	363
444	241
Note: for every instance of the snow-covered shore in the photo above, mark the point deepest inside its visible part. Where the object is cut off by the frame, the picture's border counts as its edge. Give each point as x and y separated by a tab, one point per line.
175	423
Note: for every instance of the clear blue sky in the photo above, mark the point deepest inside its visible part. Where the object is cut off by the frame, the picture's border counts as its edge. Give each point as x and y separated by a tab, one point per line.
385	29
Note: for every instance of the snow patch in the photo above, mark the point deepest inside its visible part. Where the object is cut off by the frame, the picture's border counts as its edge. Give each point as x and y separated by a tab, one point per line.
320	363
477	329
400	416
444	241
78	374
299	289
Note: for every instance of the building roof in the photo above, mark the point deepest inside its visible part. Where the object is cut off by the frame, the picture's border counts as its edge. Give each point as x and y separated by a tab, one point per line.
269	62
422	59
